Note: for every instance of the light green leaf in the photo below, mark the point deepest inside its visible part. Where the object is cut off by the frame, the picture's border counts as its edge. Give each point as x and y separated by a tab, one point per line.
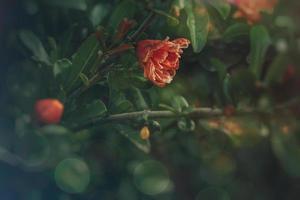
98	13
197	23
84	79
260	41
180	103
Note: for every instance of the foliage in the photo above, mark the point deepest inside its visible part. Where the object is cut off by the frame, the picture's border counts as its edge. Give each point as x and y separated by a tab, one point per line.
227	127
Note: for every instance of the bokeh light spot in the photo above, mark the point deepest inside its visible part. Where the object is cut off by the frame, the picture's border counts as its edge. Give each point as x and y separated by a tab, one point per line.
72	175
152	178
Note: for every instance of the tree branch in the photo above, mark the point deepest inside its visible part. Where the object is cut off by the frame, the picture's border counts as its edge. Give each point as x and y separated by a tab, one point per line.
197	112
159	114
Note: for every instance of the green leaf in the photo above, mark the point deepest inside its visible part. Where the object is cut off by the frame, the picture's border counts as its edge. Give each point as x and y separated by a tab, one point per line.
121	106
84	79
138	99
74	4
226	89
83	114
83	59
186	125
234	31
54	130
180	103
134	137
222	6
286	149
220	67
118	80
61	67
197	23
124	79
179	3
95	109
172	20
32	42
276	69
98	13
125	9
259	41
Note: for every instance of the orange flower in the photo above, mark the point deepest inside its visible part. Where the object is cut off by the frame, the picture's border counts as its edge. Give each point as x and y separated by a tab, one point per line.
160	58
251	9
48	111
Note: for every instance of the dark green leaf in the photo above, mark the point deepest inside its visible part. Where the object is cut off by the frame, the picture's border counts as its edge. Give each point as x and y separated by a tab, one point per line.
172	20
74	4
222	6
234	31
125	9
95	109
134	137
121	106
260	41
226	89
118	80
85	113
82	60
138	99
61	67
276	69
32	42
287	150
54	130
220	67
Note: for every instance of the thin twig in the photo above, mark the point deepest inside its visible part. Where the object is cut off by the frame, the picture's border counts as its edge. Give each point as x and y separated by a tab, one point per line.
142	28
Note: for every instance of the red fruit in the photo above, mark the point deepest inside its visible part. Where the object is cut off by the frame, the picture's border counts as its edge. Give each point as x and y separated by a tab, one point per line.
48	111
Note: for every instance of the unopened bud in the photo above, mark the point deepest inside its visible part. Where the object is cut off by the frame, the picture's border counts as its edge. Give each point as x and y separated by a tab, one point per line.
145	133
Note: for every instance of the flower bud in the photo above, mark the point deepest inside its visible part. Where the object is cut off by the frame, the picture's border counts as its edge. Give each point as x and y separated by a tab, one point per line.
48	111
145	133
124	26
